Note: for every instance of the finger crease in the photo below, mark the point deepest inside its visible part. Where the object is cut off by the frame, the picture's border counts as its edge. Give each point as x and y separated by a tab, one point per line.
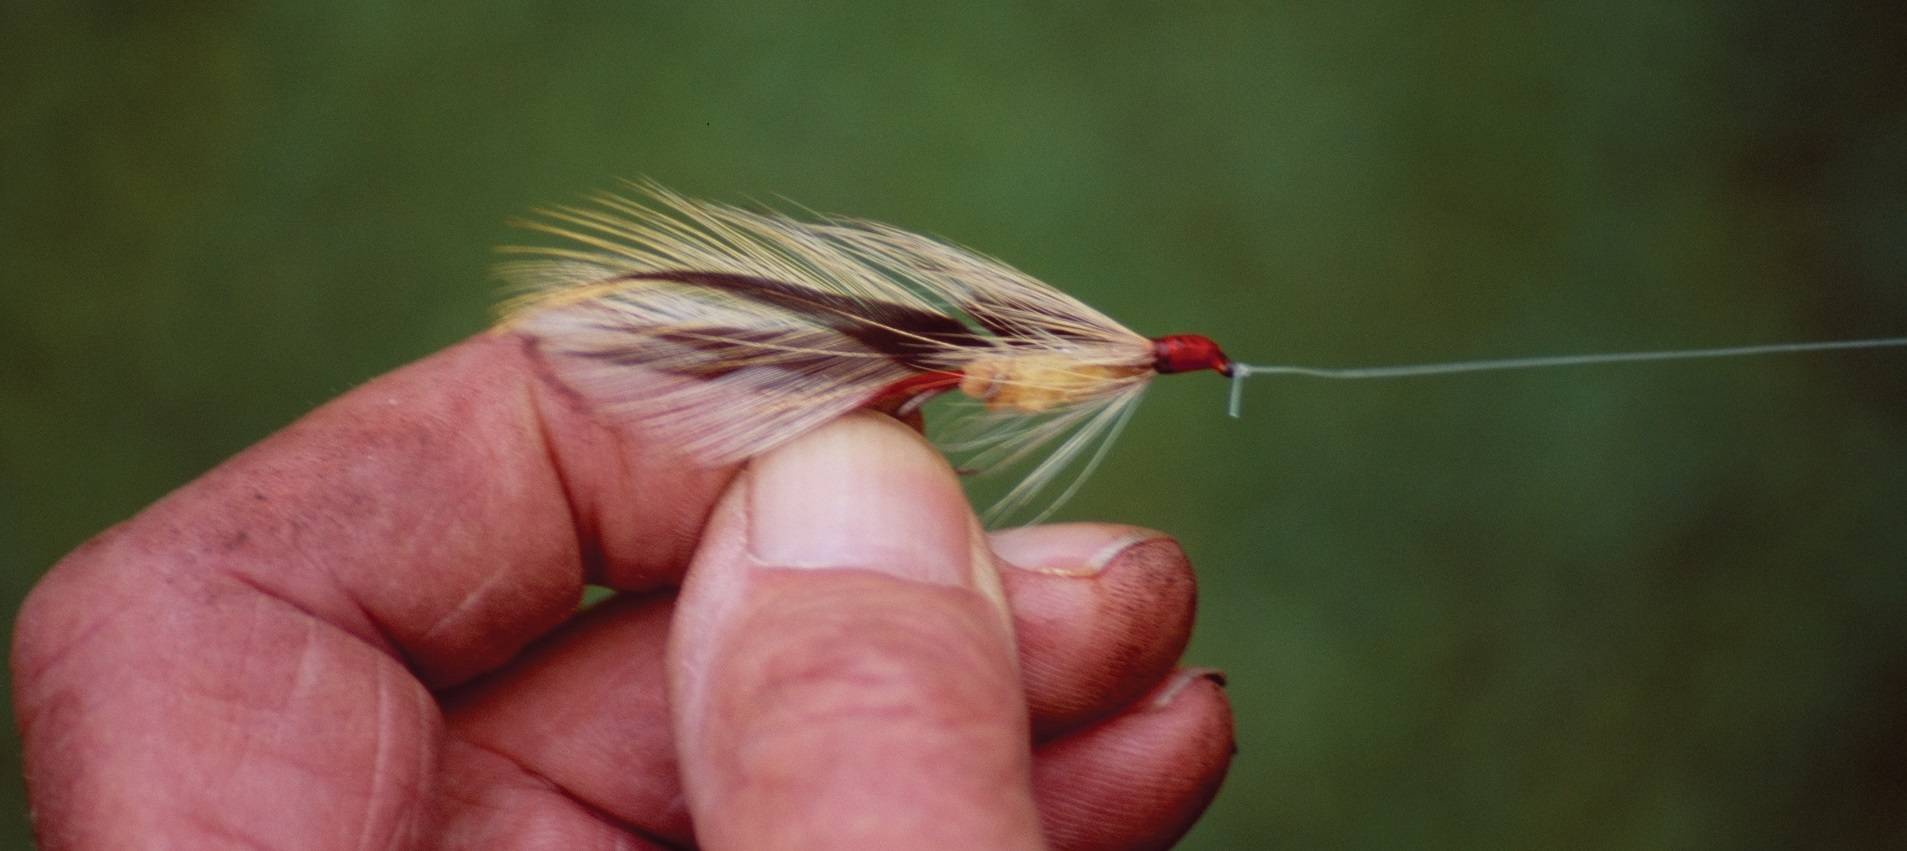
379	638
588	551
592	810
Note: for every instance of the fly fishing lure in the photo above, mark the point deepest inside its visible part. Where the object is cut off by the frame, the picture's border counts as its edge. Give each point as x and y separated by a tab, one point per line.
769	327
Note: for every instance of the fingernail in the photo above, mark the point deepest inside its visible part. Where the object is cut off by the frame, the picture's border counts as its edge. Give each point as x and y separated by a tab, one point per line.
1182	679
864	493
1077	551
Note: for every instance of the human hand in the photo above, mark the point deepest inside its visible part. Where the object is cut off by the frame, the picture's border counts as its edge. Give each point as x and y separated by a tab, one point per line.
362	632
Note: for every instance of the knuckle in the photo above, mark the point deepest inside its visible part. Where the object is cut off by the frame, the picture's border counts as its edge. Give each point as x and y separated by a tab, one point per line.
55	617
97	598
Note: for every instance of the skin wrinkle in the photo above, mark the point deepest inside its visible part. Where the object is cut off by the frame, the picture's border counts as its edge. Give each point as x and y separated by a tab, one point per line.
283	536
429	732
588	534
253	713
304	677
248	742
173	701
880	657
629	833
502	811
533	781
33	660
432	736
425	642
468	790
233	709
506	571
388	815
385	645
672	519
221	829
381	749
220	686
503	572
550	785
631	680
212	601
374	598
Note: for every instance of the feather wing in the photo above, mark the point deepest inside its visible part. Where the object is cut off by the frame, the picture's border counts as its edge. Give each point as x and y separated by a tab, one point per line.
753	328
721	377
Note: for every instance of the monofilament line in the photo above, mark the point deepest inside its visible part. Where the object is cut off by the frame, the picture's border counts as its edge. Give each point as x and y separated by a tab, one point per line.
1241	371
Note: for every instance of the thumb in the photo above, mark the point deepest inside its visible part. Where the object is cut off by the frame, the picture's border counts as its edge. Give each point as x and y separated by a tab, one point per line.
842	665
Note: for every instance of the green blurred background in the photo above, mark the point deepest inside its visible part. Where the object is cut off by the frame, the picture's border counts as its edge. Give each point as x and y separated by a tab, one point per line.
1634	606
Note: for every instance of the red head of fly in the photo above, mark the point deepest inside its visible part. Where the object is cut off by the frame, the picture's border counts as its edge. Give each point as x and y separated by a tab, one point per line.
1188	353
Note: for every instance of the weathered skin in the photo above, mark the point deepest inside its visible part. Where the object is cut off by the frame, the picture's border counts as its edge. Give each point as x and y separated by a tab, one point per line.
362	633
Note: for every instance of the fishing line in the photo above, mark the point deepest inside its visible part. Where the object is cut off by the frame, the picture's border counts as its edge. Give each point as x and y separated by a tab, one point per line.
1241	371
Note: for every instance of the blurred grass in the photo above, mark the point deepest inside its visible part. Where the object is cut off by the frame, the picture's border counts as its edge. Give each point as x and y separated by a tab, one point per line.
1628	607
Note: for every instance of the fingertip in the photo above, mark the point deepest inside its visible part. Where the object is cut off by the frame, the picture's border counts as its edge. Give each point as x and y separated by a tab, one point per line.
1142	779
1093	641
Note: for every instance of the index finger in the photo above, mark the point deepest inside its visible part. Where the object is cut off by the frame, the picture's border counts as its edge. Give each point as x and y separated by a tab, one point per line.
447	512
